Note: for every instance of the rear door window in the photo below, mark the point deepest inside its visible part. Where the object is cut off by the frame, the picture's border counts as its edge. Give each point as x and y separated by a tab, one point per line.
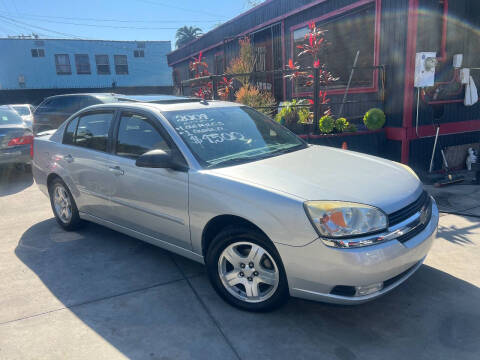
69	135
92	131
137	135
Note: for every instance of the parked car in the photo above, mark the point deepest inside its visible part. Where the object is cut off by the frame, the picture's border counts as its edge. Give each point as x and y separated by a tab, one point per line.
224	185
25	111
16	138
54	110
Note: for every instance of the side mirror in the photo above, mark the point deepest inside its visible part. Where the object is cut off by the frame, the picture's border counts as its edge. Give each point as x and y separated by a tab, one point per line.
161	160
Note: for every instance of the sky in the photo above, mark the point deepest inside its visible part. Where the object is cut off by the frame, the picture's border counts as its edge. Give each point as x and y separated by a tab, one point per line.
113	19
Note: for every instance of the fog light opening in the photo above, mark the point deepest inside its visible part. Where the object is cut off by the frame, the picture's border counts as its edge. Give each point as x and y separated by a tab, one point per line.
368	289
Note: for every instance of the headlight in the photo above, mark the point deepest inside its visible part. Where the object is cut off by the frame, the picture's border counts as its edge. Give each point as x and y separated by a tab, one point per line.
338	219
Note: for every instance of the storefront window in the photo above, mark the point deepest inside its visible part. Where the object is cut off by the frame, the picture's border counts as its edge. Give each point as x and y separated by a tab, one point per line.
346	34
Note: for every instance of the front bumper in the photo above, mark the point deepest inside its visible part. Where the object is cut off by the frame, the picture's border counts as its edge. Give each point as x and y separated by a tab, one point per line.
315	269
15	155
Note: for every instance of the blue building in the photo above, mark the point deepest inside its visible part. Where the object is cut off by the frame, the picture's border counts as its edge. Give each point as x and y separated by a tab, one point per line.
32	67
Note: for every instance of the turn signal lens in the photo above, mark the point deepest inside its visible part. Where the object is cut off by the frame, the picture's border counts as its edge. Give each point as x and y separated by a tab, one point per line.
338	219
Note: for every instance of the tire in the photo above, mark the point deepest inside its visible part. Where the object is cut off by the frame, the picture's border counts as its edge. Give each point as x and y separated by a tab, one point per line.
258	288
64	206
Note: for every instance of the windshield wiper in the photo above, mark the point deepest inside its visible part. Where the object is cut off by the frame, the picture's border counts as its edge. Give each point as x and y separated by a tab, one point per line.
287	150
234	161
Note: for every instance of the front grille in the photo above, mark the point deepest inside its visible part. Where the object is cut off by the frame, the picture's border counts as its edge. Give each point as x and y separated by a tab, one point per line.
408	211
420	224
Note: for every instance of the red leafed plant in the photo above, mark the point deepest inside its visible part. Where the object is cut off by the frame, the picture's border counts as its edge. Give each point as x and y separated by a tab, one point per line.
314	43
205	88
225	87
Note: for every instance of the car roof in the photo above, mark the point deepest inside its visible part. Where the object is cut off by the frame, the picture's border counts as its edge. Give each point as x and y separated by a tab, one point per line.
98	95
194	104
149	98
156	98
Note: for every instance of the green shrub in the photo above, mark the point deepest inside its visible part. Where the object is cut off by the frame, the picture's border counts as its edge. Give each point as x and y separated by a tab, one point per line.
304	116
351	128
326	124
291	113
341	124
374	119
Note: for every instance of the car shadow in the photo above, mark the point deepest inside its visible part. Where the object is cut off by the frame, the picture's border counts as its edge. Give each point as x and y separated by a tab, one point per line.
14	180
433	313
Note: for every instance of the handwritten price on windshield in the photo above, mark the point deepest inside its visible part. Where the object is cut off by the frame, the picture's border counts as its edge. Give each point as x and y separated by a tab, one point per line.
218	138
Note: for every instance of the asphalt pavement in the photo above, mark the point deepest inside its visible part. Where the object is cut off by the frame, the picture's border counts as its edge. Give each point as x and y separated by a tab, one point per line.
98	294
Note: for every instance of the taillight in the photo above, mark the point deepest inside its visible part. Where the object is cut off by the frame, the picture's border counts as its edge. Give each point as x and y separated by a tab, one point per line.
31	150
22	140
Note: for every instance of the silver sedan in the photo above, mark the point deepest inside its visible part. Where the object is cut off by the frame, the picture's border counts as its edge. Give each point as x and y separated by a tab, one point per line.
219	183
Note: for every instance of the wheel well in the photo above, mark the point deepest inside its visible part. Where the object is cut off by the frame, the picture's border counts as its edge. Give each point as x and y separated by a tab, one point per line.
50	178
220	222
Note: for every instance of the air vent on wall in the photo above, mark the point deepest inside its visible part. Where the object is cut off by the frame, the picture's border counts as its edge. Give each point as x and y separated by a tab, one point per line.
141	45
39	43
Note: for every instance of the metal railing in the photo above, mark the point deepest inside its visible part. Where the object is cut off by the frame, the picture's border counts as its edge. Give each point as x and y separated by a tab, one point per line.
317	107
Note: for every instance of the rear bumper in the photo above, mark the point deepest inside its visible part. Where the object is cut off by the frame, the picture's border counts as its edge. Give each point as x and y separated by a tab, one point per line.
314	270
15	155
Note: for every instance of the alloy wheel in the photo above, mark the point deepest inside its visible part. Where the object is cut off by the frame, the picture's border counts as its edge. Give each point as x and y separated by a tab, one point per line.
62	204
248	272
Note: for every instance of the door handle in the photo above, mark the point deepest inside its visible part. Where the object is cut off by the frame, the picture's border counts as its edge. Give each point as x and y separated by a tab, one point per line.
68	158
117	170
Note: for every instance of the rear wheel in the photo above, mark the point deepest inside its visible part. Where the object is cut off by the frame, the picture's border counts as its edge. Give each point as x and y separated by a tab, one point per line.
63	205
246	270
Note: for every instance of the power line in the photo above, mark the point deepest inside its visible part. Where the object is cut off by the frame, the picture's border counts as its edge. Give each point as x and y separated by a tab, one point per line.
110	20
19	28
114	26
25	25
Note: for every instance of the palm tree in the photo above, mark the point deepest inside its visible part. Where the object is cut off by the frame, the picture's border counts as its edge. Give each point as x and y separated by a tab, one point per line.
186	34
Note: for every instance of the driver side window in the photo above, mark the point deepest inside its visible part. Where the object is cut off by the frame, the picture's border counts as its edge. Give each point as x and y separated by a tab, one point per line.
136	136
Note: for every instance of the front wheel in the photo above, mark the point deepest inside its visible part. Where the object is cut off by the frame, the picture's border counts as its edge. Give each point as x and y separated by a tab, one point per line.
246	270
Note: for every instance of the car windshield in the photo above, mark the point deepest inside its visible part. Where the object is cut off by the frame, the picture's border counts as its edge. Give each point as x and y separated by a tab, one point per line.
8	117
232	135
21	110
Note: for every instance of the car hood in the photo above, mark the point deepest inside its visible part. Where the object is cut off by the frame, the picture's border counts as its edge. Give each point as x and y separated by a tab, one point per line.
325	173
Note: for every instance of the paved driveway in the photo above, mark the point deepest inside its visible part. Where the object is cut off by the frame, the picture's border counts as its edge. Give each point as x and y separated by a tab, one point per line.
99	294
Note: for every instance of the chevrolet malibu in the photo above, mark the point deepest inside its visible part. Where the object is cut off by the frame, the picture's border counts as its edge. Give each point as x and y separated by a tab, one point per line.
269	215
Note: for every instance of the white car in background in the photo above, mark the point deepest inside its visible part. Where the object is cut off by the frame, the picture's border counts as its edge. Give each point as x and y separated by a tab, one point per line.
25	111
